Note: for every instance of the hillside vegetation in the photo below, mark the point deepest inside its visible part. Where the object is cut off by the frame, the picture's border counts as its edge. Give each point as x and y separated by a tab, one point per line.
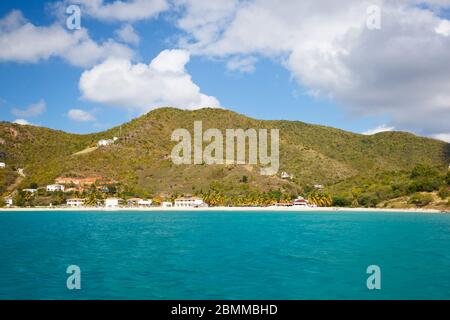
347	164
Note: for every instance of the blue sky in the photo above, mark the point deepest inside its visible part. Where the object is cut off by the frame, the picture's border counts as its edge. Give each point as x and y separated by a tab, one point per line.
280	69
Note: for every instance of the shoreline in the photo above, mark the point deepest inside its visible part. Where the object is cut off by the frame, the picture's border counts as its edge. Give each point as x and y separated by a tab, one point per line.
213	209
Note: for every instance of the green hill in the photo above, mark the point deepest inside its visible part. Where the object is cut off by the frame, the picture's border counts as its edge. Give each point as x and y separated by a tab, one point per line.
140	159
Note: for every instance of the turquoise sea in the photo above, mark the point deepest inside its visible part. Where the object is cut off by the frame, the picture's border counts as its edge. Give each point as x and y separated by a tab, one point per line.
224	255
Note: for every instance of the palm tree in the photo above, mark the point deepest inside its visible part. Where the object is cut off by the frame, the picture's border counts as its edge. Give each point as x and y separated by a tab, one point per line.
320	199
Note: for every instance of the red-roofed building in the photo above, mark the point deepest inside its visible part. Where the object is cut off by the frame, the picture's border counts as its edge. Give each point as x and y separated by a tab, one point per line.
300	202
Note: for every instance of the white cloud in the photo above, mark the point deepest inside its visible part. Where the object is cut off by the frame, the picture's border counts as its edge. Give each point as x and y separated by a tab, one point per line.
204	20
401	71
132	10
442	136
244	65
33	110
22	41
80	115
22	122
381	128
141	87
128	35
443	28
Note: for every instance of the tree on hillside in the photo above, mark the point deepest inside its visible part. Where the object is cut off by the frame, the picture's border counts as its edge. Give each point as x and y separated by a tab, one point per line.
423	171
424	179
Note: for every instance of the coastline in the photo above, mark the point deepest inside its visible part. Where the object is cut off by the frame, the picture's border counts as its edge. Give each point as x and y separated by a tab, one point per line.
230	209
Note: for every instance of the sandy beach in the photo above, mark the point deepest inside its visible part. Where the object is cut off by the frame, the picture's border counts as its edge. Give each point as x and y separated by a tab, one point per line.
230	209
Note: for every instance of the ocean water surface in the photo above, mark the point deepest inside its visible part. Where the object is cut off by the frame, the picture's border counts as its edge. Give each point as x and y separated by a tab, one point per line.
224	255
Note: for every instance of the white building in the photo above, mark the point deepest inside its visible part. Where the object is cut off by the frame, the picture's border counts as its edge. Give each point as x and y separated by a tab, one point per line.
107	142
300	202
55	188
192	202
133	201
104	143
112	202
75	202
145	203
166	204
2	165
30	190
285	175
9	202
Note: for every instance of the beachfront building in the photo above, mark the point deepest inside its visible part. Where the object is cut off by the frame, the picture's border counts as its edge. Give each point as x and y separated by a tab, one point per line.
166	204
112	202
2	165
300	202
74	203
133	202
55	188
9	202
144	203
192	202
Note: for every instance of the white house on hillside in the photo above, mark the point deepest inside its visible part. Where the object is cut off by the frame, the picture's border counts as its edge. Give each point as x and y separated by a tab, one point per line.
55	188
30	190
285	175
107	142
2	165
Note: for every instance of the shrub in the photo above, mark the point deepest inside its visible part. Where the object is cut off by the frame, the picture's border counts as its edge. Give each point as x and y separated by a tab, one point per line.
443	193
424	185
368	200
33	185
339	201
425	179
420	200
423	171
